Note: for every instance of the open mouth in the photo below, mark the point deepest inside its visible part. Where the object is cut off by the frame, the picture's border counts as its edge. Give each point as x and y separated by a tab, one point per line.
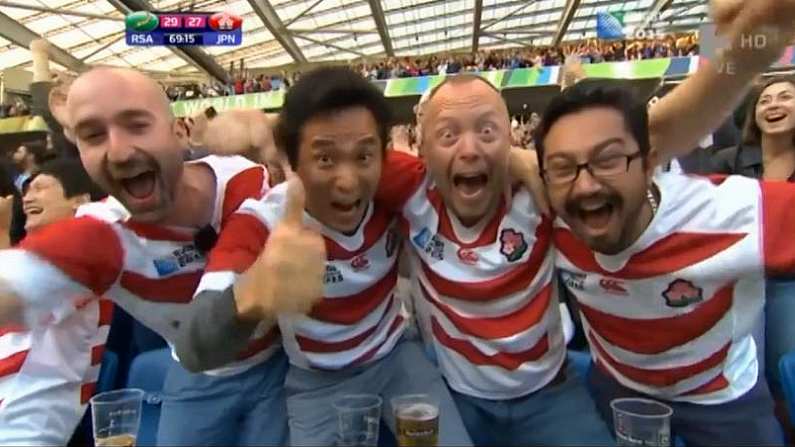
596	216
139	186
33	210
470	185
346	207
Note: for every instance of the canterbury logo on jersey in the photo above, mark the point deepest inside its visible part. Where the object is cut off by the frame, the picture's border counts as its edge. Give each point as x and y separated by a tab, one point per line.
613	286
178	259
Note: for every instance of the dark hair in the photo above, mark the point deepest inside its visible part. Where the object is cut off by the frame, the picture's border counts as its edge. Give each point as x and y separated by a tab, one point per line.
322	92
586	95
72	176
38	149
751	133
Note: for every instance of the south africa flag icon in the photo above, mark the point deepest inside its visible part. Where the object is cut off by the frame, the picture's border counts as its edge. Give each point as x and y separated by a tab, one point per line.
141	21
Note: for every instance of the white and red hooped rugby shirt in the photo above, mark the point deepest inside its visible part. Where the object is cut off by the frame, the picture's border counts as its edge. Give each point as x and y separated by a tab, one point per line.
48	374
150	271
484	295
359	319
672	315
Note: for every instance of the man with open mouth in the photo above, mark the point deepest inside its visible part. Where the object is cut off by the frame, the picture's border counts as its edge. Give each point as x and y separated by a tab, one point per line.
144	248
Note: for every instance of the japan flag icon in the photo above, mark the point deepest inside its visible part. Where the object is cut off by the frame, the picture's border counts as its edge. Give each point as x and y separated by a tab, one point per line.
224	21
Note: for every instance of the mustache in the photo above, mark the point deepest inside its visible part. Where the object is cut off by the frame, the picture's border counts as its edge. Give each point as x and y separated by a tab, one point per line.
140	158
572	205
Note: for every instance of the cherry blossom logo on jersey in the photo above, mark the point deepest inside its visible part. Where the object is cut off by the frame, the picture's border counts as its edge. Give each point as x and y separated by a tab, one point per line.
391	242
682	293
612	286
360	263
467	256
513	244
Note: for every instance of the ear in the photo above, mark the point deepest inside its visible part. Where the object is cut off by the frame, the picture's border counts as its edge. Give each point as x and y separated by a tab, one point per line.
80	200
651	161
180	130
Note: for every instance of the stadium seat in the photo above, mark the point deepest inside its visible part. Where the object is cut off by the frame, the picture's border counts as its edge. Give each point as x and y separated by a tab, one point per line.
148	372
108	372
786	366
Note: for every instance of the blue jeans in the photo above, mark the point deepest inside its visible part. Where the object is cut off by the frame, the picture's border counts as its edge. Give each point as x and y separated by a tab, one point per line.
311	394
241	409
747	420
779	329
561	413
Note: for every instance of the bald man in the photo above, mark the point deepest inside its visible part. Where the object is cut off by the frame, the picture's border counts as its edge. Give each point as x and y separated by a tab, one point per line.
145	249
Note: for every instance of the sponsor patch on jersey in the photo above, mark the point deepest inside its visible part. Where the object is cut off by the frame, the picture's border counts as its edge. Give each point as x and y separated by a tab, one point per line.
435	248
467	256
613	286
573	280
682	293
332	275
360	263
422	238
178	259
512	244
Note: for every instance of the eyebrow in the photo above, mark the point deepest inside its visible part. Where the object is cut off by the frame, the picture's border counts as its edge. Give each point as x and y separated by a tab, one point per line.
124	115
595	149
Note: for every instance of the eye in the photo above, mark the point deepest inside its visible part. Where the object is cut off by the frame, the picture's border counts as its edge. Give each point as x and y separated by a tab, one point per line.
323	160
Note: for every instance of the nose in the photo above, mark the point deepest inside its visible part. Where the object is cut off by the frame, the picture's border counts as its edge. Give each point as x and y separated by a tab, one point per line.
347	179
585	184
468	149
120	148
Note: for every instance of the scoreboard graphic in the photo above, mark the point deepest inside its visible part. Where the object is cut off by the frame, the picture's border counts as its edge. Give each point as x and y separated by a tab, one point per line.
145	28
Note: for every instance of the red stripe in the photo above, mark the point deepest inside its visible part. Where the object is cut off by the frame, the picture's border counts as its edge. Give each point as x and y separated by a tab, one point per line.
247	184
716	384
633	334
85	249
239	245
259	345
498	327
669	254
513	281
371	353
13	363
487	236
401	175
12	329
105	312
311	345
777	220
353	308
174	289
157	232
374	229
86	391
661	377
96	354
506	360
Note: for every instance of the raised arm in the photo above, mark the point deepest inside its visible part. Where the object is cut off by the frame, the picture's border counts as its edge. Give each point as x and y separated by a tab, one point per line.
699	105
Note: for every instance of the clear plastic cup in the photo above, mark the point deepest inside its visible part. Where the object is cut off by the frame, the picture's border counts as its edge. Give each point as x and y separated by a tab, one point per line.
641	422
359	419
117	417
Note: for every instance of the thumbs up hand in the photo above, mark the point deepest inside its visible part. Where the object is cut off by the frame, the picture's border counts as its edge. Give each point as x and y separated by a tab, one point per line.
288	275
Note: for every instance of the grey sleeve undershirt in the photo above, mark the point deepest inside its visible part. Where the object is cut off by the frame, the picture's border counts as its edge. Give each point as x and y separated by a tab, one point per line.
212	335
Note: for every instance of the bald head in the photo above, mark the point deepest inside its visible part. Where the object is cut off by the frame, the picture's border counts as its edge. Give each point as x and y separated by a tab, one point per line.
115	82
462	89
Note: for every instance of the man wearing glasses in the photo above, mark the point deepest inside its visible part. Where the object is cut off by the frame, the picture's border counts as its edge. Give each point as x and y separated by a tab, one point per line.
668	270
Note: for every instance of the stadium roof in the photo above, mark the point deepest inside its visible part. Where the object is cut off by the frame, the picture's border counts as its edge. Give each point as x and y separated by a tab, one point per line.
281	32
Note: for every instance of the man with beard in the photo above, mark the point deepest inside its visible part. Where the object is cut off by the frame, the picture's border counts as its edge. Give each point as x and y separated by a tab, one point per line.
144	248
668	270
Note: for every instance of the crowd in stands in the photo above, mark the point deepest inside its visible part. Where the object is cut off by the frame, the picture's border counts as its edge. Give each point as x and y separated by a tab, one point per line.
12	110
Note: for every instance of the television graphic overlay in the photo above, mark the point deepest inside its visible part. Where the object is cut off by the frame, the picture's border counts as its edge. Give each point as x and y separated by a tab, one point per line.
146	28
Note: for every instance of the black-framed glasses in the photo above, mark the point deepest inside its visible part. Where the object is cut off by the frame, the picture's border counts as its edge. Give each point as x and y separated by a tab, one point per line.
604	167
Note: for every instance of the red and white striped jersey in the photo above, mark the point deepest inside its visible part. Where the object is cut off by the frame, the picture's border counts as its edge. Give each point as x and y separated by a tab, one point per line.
151	271
672	315
359	320
48	374
484	295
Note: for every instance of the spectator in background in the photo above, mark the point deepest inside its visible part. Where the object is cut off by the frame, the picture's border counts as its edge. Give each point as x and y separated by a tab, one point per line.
43	404
10	207
26	158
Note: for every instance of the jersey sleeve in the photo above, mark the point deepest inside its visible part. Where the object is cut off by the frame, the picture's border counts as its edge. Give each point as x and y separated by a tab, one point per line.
778	228
402	175
250	183
55	268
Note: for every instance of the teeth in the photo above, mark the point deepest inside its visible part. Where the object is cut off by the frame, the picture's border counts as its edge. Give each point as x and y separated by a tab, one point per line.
592	207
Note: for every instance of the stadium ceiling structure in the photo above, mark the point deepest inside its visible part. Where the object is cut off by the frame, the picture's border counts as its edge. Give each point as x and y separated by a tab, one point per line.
283	32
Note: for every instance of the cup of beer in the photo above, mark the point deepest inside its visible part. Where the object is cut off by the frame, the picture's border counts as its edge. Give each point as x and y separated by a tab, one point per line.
417	420
116	416
358	419
641	422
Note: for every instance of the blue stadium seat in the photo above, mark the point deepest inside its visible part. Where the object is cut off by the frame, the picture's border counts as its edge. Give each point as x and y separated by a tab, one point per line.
148	372
786	366
108	372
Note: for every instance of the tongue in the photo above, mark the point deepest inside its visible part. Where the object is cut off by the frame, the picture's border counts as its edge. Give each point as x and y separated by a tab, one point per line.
471	185
598	218
141	186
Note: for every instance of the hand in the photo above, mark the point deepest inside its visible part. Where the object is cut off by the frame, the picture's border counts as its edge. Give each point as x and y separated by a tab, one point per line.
6	212
288	275
739	16
523	166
